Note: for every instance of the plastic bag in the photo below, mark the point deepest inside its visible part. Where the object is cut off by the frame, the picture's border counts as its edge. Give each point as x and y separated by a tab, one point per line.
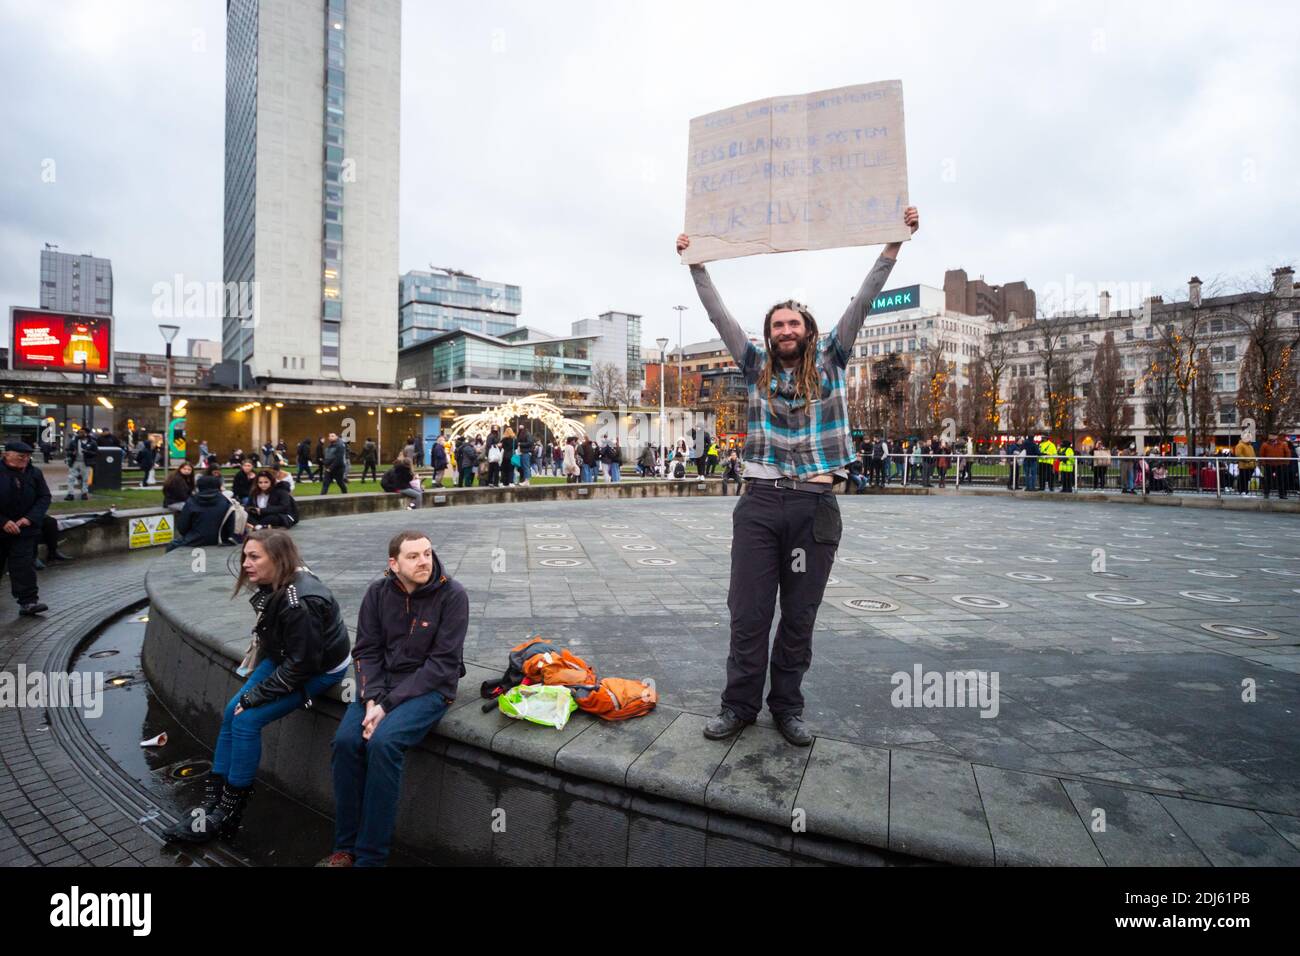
547	704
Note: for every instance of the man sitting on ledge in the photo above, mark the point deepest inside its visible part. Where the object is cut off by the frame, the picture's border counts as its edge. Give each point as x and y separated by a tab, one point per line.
410	633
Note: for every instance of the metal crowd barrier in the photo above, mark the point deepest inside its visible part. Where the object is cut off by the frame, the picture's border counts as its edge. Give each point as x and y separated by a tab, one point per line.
1133	474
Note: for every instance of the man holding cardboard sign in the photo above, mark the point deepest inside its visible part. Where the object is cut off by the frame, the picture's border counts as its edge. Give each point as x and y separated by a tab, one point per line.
787	525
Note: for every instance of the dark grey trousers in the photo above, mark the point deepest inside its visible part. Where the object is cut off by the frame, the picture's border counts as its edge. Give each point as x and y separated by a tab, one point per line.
781	542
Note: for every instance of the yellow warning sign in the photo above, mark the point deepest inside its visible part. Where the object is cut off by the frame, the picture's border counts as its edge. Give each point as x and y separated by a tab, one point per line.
149	531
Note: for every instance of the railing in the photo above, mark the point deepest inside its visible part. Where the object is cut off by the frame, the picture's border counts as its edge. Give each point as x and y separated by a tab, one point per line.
1130	474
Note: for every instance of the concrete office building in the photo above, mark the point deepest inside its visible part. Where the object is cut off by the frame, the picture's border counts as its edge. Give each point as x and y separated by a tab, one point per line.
311	217
616	341
977	297
69	283
910	320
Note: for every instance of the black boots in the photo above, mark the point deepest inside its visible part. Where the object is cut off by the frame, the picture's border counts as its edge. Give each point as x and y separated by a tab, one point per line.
793	729
220	815
230	811
724	725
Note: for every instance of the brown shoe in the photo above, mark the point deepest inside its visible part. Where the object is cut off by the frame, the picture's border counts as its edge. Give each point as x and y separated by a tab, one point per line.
341	858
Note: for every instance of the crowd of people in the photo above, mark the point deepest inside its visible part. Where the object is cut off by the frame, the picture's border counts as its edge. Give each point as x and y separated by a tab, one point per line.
1040	463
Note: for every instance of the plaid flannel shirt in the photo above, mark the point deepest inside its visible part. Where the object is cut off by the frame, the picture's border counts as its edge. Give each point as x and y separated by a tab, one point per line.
797	437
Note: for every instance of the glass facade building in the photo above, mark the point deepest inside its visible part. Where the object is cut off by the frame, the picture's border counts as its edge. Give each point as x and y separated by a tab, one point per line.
463	361
332	192
241	175
431	303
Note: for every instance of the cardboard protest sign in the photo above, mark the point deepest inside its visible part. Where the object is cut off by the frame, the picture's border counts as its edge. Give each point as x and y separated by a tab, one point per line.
817	171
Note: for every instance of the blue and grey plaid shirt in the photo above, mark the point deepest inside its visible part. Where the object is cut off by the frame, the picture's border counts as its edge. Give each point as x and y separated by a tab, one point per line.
786	435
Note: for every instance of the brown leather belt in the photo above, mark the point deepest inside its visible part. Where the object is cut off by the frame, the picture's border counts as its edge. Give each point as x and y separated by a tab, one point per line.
791	484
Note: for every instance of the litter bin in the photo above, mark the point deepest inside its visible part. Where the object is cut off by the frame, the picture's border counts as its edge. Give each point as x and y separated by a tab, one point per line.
106	470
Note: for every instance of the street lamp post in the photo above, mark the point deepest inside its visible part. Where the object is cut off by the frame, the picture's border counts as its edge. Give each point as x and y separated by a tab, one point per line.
168	333
85	408
663	345
680	309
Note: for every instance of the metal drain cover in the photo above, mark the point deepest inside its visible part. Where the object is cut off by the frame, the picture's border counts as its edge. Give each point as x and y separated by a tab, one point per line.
870	604
1210	597
1239	630
980	601
1112	598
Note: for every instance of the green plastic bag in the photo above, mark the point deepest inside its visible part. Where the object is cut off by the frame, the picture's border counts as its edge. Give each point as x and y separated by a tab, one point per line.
547	704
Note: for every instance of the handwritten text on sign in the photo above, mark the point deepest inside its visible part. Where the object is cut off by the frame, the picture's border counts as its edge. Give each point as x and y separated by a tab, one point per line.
818	171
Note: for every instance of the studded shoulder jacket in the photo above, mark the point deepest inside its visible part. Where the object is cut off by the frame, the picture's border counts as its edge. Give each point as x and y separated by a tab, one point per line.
301	629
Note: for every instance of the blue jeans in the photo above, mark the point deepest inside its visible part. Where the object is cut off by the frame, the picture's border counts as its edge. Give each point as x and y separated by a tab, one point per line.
239	744
525	467
613	471
585	471
1031	474
368	774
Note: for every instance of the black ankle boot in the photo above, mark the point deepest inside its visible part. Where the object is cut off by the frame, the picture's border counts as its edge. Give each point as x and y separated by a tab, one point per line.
226	818
213	784
197	824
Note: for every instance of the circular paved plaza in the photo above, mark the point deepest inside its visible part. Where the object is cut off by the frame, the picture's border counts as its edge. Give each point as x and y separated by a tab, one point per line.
1149	647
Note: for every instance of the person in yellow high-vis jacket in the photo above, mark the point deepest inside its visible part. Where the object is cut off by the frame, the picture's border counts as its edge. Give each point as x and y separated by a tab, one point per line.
1067	466
1047	465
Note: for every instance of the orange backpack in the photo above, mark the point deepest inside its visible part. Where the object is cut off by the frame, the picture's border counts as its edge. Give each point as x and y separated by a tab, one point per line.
538	661
616	698
558	667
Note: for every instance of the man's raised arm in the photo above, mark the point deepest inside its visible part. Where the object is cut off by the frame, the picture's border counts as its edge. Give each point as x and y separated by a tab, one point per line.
733	336
846	330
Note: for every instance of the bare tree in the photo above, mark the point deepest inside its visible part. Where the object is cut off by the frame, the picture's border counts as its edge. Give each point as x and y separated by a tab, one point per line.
889	383
1059	371
989	370
938	398
608	385
1022	411
544	374
1180	336
1203	404
1268	391
1161	389
859	407
1107	410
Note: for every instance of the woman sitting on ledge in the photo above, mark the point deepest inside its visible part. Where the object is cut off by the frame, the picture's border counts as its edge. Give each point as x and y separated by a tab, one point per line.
401	480
178	486
271	504
302	650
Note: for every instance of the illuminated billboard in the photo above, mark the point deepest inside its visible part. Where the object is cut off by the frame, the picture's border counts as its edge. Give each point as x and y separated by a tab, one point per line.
60	341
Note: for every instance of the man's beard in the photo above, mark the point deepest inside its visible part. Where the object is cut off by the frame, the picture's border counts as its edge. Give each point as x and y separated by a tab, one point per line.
795	356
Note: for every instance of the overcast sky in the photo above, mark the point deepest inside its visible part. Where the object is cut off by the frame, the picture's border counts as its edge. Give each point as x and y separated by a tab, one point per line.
544	144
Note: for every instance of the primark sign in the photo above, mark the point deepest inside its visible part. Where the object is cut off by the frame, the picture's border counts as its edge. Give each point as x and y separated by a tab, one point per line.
895	300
